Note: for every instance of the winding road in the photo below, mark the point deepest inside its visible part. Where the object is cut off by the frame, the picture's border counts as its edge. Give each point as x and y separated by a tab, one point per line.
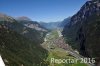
73	53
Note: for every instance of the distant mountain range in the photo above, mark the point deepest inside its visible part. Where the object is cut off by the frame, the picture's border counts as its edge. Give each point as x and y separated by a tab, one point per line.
50	25
55	25
83	31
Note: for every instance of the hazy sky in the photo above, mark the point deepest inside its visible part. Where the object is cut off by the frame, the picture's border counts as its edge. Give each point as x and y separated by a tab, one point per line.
41	10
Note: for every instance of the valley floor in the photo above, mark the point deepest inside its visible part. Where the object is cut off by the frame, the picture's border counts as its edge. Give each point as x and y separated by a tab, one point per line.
58	49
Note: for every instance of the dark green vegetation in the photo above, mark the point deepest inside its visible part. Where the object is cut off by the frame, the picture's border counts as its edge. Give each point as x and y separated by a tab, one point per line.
20	44
16	50
83	32
32	34
29	29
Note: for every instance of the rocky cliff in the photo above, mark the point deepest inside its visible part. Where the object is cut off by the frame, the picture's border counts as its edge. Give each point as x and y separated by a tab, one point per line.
83	32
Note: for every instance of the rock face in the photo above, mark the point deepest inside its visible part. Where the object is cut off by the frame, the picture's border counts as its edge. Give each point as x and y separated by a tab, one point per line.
88	9
4	17
83	32
30	24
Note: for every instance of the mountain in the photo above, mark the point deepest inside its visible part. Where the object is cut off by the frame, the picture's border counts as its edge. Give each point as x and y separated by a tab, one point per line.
64	22
20	44
34	33
4	17
83	31
55	25
30	24
23	18
50	25
16	50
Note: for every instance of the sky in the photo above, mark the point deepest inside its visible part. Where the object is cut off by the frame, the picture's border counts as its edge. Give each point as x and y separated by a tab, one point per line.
41	10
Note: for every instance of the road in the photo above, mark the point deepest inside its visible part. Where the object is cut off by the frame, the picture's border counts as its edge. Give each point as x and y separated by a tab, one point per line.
69	50
78	56
59	32
73	53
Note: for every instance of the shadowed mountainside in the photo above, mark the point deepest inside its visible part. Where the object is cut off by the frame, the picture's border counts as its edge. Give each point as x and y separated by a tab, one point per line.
19	44
83	32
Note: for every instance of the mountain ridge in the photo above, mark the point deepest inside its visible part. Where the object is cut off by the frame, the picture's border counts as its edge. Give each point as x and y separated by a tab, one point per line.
55	25
83	31
19	44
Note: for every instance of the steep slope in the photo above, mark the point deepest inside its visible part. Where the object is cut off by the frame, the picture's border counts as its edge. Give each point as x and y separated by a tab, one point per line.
30	24
16	50
64	22
4	17
83	32
28	32
19	44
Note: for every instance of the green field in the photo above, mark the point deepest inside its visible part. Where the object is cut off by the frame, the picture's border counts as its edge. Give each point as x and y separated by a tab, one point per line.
56	52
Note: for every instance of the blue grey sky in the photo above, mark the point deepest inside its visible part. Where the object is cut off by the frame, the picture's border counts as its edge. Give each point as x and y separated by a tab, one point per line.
41	10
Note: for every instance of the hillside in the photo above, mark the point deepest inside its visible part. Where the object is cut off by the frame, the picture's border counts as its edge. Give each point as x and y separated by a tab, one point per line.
83	31
64	22
34	33
19	51
20	44
30	24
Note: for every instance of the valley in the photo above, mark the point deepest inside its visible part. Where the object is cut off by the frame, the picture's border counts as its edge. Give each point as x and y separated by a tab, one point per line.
26	42
57	48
